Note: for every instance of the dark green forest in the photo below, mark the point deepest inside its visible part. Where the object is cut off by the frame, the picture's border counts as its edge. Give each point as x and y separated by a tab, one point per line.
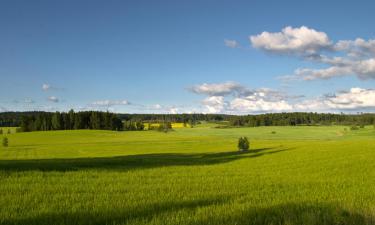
40	121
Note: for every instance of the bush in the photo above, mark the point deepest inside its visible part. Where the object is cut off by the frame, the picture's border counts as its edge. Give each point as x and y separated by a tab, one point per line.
9	131
273	132
243	144
5	142
1	131
354	127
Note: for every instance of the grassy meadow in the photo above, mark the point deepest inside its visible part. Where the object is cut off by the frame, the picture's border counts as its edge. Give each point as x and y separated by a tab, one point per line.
291	175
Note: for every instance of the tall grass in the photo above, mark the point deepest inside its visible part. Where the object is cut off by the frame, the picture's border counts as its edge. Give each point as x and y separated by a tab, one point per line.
299	175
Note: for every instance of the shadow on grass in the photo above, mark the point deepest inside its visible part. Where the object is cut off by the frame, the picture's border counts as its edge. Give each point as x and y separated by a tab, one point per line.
292	214
130	162
114	216
203	211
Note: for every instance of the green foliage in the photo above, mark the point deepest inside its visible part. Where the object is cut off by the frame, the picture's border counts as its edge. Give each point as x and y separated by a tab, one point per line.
71	121
133	126
5	142
89	120
165	127
354	127
1	131
243	144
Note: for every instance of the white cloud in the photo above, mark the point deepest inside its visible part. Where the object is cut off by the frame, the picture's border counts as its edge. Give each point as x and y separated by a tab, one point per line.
231	43
214	104
364	69
265	100
350	57
356	48
28	101
217	89
259	105
300	41
46	87
173	110
49	87
156	106
327	73
109	103
53	99
355	98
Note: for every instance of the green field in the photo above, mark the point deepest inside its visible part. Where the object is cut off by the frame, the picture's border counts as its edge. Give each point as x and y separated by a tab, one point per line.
294	175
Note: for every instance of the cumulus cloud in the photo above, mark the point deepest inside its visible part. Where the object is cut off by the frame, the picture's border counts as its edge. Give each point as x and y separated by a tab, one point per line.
265	100
259	105
346	57
364	69
49	87
110	103
231	43
301	41
53	99
217	89
233	97
214	104
355	98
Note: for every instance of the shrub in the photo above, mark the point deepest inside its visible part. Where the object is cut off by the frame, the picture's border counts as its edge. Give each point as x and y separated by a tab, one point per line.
354	127
1	131
273	132
9	131
243	144
5	142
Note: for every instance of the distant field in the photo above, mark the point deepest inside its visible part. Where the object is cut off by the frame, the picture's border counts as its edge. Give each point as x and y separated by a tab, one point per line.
8	129
292	175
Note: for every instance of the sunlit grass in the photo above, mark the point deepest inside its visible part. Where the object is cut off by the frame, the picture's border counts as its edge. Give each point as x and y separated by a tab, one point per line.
293	175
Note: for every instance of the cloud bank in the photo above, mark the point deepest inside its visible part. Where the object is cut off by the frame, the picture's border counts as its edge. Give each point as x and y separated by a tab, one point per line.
237	99
341	58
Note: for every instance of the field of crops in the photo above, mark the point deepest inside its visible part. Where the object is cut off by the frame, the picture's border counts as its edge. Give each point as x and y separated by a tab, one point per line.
291	175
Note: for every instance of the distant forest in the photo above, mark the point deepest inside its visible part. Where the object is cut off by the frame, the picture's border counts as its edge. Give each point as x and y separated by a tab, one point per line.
33	121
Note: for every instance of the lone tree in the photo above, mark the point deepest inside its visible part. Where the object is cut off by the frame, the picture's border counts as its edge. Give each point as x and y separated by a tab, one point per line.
5	142
243	144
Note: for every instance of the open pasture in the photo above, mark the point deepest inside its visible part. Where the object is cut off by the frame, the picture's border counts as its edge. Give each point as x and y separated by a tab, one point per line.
291	175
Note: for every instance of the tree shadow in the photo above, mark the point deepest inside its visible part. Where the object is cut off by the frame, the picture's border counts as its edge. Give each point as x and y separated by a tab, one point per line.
130	162
293	214
213	214
129	215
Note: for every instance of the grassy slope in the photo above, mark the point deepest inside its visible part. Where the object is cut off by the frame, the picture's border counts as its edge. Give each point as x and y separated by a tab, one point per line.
300	175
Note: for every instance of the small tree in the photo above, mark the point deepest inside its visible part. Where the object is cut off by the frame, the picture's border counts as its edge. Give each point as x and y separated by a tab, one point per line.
5	142
243	144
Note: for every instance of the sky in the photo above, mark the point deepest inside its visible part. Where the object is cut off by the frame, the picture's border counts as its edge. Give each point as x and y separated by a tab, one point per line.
233	57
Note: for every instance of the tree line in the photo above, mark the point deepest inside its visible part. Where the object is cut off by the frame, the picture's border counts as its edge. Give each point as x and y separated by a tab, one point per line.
71	120
302	118
30	121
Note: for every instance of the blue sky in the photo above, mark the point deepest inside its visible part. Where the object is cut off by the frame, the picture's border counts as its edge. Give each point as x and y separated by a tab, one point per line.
187	56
